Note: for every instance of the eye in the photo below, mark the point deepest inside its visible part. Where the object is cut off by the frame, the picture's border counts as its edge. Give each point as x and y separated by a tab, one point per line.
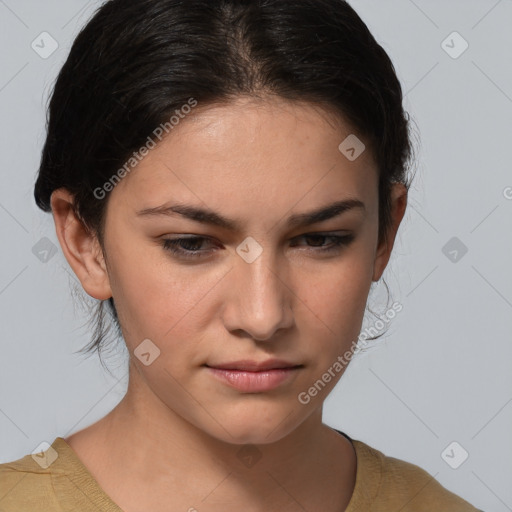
337	241
185	247
190	247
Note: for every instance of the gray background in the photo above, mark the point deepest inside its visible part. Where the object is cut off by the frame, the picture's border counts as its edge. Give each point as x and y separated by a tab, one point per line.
442	373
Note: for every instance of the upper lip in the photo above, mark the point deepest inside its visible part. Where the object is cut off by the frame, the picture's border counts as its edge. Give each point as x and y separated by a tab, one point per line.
254	366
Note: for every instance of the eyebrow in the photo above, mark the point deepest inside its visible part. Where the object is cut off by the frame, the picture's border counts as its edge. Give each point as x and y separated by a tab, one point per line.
207	216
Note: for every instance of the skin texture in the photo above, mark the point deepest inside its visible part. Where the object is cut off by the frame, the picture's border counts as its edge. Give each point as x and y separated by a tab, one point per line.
176	435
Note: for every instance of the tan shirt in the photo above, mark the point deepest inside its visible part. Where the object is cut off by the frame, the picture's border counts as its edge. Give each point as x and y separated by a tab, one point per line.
383	484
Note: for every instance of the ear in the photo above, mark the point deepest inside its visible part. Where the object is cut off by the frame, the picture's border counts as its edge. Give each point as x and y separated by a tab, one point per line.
398	206
80	247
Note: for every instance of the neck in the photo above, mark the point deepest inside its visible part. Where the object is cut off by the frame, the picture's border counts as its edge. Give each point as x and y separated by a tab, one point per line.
149	448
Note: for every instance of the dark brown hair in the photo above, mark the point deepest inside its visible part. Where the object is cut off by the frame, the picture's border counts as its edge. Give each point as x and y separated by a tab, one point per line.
137	61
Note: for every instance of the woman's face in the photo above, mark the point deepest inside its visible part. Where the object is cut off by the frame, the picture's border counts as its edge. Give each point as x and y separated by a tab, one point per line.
271	285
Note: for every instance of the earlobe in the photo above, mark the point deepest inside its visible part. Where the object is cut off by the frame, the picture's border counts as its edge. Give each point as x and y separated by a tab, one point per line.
398	207
80	246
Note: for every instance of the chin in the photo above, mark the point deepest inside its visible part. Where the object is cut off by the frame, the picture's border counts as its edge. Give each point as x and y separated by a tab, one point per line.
255	428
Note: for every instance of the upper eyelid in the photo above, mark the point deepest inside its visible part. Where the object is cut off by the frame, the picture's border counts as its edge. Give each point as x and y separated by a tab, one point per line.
204	238
188	236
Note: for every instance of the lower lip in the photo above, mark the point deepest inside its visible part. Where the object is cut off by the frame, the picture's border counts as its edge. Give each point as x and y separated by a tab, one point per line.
254	382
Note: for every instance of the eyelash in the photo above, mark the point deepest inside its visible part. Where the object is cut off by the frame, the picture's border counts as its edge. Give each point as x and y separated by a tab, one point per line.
173	245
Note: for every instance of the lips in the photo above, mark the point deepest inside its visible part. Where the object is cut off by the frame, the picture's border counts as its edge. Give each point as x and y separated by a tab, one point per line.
254	366
253	376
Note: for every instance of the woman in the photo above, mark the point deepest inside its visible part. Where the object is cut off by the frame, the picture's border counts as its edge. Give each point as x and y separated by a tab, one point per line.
229	177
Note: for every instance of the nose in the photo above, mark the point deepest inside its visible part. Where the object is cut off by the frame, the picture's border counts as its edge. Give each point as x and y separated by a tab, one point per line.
259	298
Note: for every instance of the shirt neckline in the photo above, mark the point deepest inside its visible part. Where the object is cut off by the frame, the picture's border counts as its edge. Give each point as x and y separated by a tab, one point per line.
80	476
362	494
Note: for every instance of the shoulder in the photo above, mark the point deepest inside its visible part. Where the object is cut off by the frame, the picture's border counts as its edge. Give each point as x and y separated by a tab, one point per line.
25	485
53	480
399	485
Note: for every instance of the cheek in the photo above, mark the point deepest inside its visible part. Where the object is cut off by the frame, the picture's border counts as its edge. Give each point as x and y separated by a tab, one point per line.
335	300
159	299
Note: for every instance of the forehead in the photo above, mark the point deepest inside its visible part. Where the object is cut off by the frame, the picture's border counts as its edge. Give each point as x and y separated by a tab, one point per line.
269	153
